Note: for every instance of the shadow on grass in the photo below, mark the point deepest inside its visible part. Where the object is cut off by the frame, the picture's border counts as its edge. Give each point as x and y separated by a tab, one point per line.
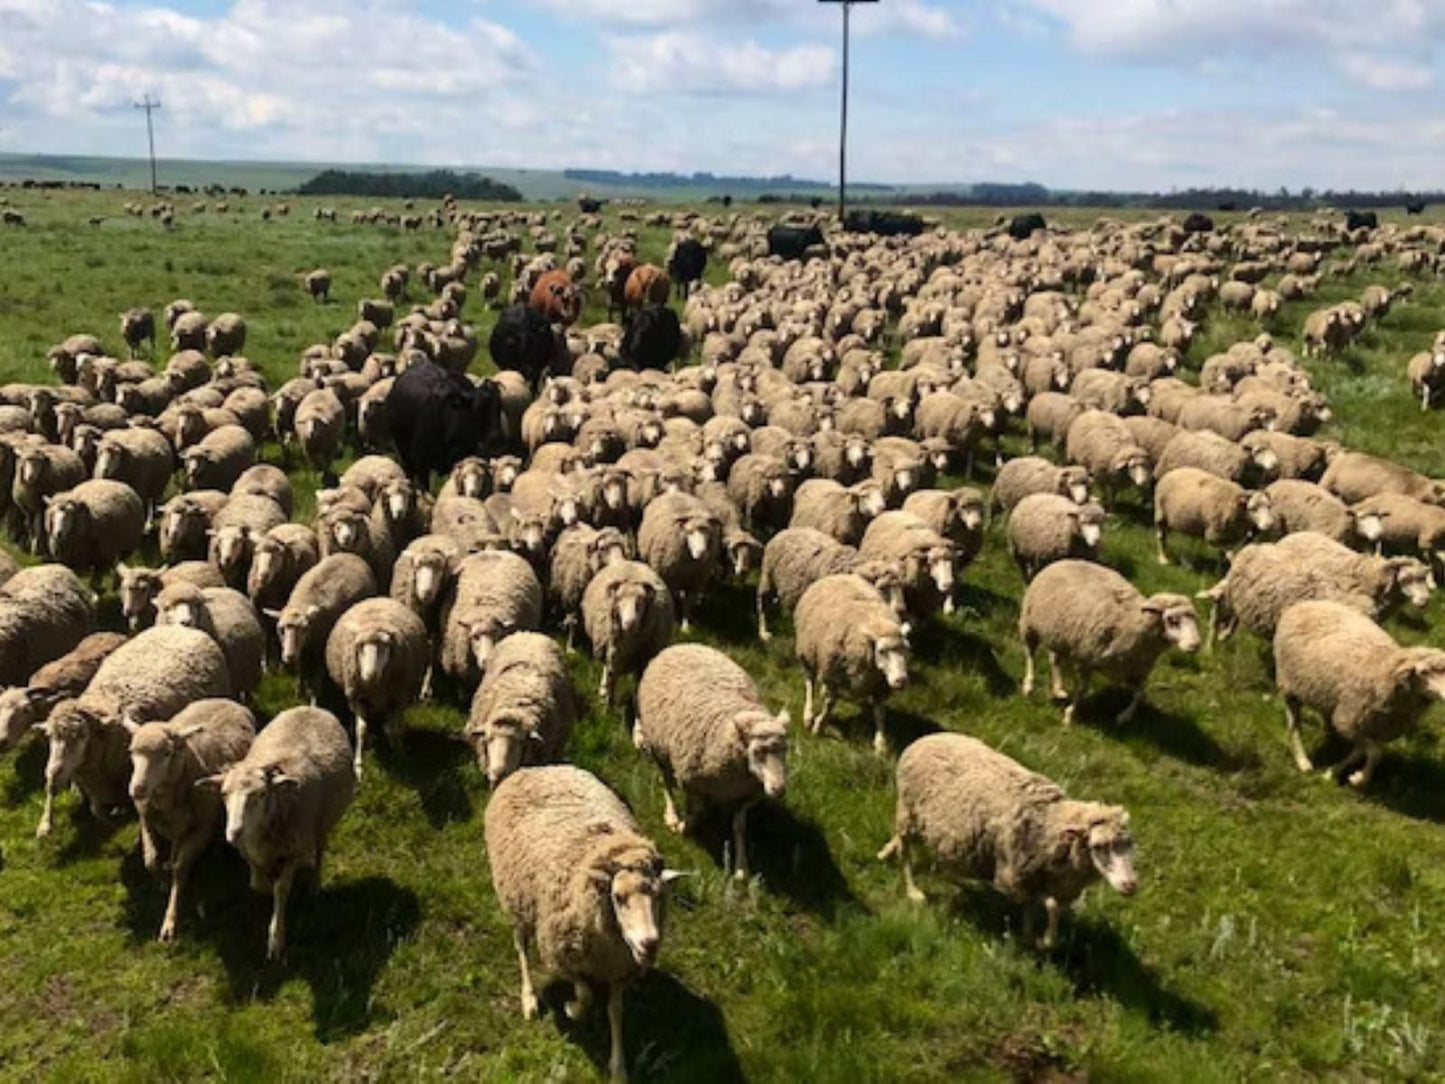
789	853
1410	785
976	600
954	649
338	939
28	772
668	1031
729	613
1175	735
430	762
86	834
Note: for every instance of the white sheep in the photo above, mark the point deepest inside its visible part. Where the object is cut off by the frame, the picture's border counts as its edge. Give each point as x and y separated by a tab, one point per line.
681	540
377	655
496	594
523	711
628	615
1045	527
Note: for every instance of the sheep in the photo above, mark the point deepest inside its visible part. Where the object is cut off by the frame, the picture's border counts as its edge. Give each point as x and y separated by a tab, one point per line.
226	616
523	712
264	480
1426	372
1224	416
581	551
344	529
1103	389
849	642
838	511
187	370
955	514
24	706
927	559
1051	415
1030	474
762	488
1089	618
573	871
628	616
1045	527
152	676
793	560
1101	444
94	525
282	800
845	458
1355	476
317	602
141	458
681	540
377	655
140	587
1368	689
279	559
45	611
168	758
1264	580
219	458
985	816
234	531
226	335
138	326
1197	503
496	594
701	719
320	426
899	470
1295	457
1219	456
42	471
188	331
1304	506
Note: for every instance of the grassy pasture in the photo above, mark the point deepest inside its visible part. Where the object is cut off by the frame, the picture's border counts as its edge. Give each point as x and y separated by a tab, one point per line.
1285	929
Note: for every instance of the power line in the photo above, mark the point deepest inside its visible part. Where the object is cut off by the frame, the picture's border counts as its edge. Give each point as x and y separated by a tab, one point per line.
150	105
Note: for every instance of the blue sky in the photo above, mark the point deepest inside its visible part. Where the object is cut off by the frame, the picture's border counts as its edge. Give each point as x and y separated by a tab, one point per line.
1073	93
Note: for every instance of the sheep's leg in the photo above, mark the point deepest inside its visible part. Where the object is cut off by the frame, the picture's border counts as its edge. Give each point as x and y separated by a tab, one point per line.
910	887
670	816
529	997
186	852
1058	690
604	687
891	848
150	854
684	605
47	815
807	699
1161	535
280	893
360	744
1425	400
1127	715
615	1063
1052	909
1361	778
763	634
426	682
740	843
1076	695
880	739
825	709
1030	648
571	623
1292	723
581	1000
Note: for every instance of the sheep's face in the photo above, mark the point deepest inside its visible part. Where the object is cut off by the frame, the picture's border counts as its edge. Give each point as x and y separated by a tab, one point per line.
109	460
483	637
504	473
1410	580
1260	511
1177	620
614	491
744	553
858	454
700	534
266	562
347	529
890	656
430	577
1369	526
232	547
940	568
501	746
767	751
196	461
636	896
399	500
1265	460
69	732
905	479
249	794
185	612
373	655
291	629
630	604
155	756
529	535
1111	849
138	589
62	519
31	468
19	710
1090	519
470	478
871	499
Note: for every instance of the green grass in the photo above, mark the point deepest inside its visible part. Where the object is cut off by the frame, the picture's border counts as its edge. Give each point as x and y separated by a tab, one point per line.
1286	928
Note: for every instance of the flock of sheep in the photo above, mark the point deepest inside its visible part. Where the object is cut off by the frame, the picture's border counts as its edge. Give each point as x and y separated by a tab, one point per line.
784	444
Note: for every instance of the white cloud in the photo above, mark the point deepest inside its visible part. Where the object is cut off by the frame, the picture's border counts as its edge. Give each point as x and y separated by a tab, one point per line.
906	17
682	62
1381	73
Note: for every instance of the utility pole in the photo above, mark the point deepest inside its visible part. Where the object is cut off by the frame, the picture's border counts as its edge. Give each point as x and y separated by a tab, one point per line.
150	105
843	123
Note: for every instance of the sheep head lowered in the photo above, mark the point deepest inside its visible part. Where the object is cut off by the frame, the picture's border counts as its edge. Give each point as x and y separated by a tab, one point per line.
1073	483
1177	622
889	652
138	590
19	710
70	730
635	882
1420	673
63	518
501	744
292	625
765	738
184	605
629	602
1100	843
155	756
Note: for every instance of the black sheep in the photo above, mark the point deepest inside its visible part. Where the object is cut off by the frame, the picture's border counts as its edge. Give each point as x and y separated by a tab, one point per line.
653	338
438	418
689	261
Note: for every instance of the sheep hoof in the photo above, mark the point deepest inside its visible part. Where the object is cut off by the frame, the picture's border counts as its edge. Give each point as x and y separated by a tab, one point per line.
42	830
676	825
880	743
1026	689
1358	779
168	932
915	895
529	1006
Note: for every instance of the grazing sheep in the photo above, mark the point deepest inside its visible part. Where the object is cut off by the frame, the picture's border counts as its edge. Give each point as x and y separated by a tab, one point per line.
1225	416
1304	506
575	874
701	719
282	800
226	335
1197	503
681	540
1089	618
94	525
140	587
138	326
628	616
928	560
24	706
1102	445
496	594
1045	527
1355	476
1427	376
524	710
219	458
152	676
1030	474
318	285
45	611
1333	659
377	655
168	758
317	602
42	471
1265	580
1295	457
226	616
762	488
188	331
321	427
984	816
1219	456
849	642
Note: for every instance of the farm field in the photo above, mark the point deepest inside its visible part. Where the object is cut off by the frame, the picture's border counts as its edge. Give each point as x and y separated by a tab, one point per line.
1285	928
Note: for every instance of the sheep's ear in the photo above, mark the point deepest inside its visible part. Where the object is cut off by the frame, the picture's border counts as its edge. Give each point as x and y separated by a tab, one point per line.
313	611
274	615
43	728
600	876
1151	607
670	875
209	782
121	568
188	731
131	726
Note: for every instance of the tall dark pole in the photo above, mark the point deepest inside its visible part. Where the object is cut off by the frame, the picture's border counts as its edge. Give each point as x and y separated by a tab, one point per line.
843	128
150	105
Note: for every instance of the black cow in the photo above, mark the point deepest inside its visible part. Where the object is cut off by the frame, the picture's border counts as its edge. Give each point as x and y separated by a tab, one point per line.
1361	220
790	242
523	340
1416	208
439	417
653	338
1198	222
588	205
689	261
1024	226
884	223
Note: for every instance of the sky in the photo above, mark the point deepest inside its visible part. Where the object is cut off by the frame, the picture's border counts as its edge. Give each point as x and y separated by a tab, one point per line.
1116	94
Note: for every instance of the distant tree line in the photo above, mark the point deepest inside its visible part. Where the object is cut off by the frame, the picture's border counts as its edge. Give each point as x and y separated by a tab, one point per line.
430	185
704	180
